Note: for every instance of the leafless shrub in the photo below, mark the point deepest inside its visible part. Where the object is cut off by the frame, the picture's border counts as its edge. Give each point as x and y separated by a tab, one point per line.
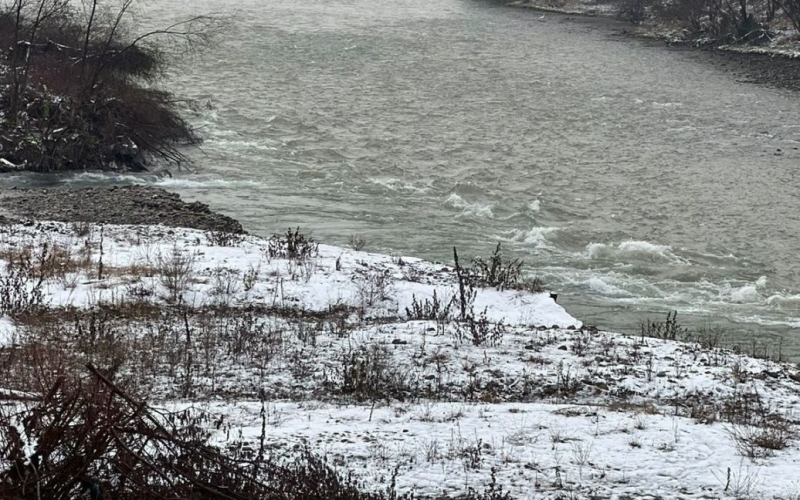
303	269
366	374
709	336
250	277
141	290
581	453
177	269
493	491
740	483
75	94
373	289
93	437
22	284
432	309
82	228
495	271
478	330
739	372
743	407
224	239
760	441
669	329
356	241
46	259
432	452
567	383
411	274
225	285
293	245
558	436
472	454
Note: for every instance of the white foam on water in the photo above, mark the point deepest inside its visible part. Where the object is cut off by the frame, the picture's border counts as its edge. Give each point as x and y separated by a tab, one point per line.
739	301
536	236
599	285
750	293
534	206
394	184
782	300
182	182
792	322
631	251
747	294
469	209
240	145
662	105
149	179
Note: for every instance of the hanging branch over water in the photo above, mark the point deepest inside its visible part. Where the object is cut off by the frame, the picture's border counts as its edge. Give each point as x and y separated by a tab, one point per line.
76	97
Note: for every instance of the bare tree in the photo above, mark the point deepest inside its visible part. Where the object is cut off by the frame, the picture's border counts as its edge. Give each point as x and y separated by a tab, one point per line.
21	54
792	10
89	54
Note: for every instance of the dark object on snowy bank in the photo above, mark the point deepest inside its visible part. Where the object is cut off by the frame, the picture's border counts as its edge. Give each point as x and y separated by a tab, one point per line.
114	205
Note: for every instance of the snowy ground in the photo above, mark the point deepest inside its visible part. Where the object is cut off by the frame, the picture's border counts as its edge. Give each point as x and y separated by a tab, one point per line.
320	351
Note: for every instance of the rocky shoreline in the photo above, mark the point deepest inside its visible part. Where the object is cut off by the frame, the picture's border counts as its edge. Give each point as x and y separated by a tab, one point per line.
139	205
773	68
761	68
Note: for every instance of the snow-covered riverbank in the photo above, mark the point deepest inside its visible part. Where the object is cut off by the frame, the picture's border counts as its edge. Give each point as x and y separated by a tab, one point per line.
370	360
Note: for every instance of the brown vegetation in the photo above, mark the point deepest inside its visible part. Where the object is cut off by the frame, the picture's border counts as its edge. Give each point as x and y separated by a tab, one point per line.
73	95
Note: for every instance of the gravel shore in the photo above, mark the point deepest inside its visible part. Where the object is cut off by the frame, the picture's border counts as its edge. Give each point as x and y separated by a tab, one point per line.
112	205
773	69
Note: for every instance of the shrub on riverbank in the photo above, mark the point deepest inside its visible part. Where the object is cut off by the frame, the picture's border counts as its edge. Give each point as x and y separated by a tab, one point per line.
753	22
76	87
735	22
773	23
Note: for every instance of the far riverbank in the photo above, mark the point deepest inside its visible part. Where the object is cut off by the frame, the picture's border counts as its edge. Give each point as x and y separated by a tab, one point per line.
772	66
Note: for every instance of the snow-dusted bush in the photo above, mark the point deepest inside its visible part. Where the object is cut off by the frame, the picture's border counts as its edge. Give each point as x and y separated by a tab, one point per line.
77	91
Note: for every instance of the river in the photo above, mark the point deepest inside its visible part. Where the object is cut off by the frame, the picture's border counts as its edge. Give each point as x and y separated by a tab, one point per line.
632	178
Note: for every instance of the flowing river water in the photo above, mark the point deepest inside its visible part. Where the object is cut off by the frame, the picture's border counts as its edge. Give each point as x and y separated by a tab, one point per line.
634	179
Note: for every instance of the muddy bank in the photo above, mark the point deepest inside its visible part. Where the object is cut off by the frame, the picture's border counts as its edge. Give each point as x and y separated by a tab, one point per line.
112	205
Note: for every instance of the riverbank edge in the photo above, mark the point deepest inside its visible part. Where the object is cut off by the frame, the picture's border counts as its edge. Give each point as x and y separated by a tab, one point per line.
768	66
548	349
117	204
